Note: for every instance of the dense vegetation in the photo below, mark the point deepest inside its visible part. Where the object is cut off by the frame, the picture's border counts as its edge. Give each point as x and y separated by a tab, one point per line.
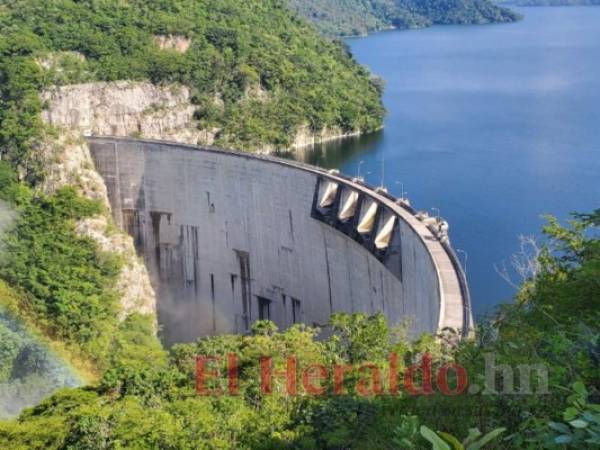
66	280
30	369
357	17
146	400
57	299
236	47
61	291
61	284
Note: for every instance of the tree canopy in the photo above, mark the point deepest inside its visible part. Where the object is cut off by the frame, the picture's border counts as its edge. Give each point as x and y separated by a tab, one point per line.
235	47
146	400
357	17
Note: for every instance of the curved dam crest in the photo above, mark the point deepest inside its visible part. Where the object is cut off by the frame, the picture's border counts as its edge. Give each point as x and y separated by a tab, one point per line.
230	238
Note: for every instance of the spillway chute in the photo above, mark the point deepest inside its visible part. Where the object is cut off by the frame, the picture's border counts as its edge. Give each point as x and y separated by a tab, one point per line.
348	204
328	194
384	235
367	216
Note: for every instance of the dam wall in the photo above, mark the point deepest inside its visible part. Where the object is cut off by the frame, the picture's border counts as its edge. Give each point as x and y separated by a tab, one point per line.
230	238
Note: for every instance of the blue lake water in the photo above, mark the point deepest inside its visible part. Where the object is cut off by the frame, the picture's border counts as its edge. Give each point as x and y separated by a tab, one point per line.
495	125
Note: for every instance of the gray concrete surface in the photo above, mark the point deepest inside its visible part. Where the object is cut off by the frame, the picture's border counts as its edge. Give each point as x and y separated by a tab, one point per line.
231	237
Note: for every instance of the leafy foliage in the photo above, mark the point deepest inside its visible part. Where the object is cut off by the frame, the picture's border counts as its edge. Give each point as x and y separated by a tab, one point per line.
445	441
406	434
64	301
67	282
29	369
146	397
235	47
581	426
357	17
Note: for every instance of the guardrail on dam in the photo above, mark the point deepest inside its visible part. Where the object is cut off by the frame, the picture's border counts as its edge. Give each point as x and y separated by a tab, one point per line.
230	238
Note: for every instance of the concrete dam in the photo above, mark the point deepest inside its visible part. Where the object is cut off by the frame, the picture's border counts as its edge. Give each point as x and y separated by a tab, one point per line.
230	238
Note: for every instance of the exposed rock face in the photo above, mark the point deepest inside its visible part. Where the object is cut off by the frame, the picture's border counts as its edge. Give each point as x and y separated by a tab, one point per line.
53	60
120	109
135	109
142	109
306	138
137	294
257	92
126	108
178	43
68	162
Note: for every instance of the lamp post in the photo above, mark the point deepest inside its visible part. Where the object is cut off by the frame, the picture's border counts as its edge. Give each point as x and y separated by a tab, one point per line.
458	250
359	166
468	304
402	193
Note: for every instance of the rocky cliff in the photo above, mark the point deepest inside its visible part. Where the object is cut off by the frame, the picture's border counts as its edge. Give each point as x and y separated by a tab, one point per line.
126	108
120	109
142	109
135	109
68	162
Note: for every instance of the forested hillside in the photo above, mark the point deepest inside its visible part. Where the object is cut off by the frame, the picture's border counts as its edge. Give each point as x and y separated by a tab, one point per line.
147	398
257	73
357	17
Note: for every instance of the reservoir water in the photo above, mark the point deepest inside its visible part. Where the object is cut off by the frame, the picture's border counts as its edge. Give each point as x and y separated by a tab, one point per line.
495	125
